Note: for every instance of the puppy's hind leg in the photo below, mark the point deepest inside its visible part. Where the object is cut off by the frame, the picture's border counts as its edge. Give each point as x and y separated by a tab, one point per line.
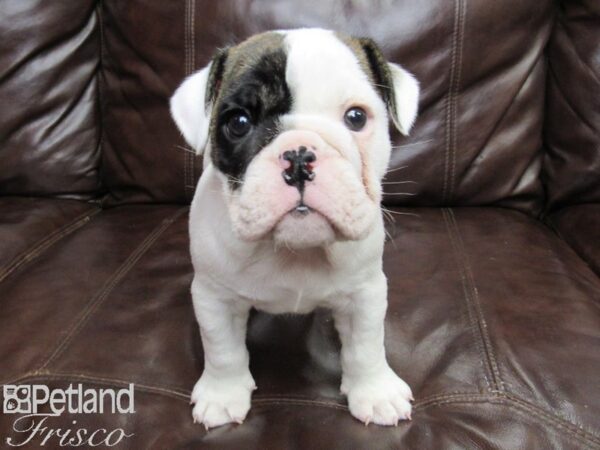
222	394
375	393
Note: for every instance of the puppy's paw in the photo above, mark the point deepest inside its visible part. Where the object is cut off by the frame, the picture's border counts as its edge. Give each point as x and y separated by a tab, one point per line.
220	401
382	399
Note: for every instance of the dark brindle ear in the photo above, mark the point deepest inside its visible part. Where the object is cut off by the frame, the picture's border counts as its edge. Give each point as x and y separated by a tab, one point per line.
398	88
215	75
191	104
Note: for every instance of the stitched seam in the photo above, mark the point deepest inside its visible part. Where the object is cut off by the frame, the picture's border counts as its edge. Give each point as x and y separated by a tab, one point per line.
481	398
461	33
193	36
467	296
42	375
180	393
97	377
481	322
447	395
186	60
109	285
187	71
451	99
47	242
516	403
569	427
435	400
268	401
190	69
448	101
185	394
190	50
191	171
274	401
100	95
445	400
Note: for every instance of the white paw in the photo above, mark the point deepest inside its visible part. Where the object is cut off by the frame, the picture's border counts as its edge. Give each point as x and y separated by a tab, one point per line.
383	399
218	401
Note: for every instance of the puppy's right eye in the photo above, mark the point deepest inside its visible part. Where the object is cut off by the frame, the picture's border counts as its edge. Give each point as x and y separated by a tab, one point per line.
355	118
239	125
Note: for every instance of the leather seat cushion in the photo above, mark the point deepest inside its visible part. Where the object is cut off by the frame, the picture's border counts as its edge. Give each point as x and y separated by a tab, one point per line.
493	321
30	226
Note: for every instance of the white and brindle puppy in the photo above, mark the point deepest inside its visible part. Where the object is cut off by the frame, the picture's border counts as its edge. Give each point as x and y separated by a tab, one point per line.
286	216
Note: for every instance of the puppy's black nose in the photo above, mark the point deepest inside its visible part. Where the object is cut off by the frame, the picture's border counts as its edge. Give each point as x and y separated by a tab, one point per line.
300	169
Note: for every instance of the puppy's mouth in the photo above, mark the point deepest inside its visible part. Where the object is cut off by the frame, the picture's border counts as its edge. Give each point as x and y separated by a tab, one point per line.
301	209
304	227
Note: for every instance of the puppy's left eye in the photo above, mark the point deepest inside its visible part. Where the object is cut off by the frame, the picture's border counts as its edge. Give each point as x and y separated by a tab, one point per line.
355	118
239	125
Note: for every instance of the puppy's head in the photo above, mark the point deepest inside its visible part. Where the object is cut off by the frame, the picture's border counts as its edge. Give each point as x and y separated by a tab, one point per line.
296	125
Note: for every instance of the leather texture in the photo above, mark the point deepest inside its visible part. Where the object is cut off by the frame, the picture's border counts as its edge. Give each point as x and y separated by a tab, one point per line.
470	145
493	320
30	226
579	225
49	121
572	129
493	316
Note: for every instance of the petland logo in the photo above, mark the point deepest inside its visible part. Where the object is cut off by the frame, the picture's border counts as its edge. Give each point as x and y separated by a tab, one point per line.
34	426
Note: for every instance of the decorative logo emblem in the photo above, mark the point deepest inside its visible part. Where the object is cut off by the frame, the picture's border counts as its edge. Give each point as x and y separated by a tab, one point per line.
17	399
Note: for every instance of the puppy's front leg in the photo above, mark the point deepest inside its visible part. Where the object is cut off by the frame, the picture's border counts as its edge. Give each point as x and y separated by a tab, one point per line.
222	394
375	393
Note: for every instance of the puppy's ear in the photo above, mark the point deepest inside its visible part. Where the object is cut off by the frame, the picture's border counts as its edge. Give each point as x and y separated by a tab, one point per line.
399	89
191	104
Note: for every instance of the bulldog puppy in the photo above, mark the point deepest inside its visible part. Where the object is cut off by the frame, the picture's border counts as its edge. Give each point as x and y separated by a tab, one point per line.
293	127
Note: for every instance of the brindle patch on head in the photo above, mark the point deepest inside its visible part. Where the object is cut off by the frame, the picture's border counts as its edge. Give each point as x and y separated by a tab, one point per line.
248	53
252	81
375	65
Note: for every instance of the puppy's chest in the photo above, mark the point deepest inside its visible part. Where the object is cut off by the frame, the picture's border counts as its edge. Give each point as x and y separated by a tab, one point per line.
283	289
288	301
277	284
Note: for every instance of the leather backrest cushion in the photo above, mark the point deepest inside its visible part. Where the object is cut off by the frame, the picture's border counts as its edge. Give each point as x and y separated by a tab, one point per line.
146	54
480	63
572	132
49	115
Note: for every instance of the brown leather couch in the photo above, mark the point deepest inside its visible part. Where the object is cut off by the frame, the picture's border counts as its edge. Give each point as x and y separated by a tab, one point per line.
494	316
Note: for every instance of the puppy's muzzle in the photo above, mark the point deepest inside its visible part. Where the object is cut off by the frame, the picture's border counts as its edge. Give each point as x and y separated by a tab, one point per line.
299	171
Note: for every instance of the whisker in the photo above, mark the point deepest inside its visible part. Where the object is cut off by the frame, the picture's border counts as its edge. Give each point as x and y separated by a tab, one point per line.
388	235
413	144
400	182
387	215
246	178
381	85
390	238
398	213
397	168
187	150
400	193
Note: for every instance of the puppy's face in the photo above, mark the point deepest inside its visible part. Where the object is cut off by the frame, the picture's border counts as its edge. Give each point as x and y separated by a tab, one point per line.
296	125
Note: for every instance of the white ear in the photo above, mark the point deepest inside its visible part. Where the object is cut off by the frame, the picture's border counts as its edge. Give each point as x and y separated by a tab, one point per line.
189	109
406	98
